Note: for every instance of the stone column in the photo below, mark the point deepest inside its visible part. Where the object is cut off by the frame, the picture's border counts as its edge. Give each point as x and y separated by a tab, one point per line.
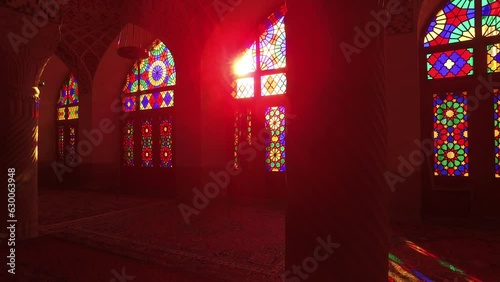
337	215
22	65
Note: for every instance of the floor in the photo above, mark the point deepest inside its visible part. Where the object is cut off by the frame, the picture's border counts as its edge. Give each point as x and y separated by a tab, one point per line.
96	236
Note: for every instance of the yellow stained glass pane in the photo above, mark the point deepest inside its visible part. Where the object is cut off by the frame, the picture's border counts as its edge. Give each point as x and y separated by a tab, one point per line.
72	112
273	84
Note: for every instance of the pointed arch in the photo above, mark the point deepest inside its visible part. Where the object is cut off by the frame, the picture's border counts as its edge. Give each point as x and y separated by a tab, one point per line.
259	88
149	99
67	120
462	45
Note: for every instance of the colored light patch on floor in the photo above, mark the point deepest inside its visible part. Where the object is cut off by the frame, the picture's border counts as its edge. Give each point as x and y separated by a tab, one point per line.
424	266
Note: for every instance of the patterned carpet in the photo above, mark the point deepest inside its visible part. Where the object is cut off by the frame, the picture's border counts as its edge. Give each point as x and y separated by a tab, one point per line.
224	243
58	206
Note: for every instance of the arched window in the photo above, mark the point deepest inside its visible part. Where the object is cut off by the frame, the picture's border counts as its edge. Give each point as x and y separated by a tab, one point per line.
461	53
259	90
149	100
67	121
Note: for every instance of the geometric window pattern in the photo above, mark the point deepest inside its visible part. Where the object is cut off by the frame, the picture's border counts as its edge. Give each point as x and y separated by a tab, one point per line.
451	134
275	150
68	96
242	133
260	72
128	143
72	145
244	88
156	71
497	133
66	144
166	142
60	143
493	58
67	121
73	112
490	18
272	43
274	84
269	52
450	64
149	92
147	143
157	100
454	23
129	104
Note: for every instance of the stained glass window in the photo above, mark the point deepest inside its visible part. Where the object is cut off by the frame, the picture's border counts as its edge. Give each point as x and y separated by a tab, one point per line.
454	23
128	143
270	51
72	145
147	143
61	114
490	17
457	22
67	120
493	58
260	72
243	88
60	143
237	138
242	133
129	104
451	134
166	142
275	150
157	100
150	88
450	64
497	133
272	42
72	112
274	84
156	71
68	99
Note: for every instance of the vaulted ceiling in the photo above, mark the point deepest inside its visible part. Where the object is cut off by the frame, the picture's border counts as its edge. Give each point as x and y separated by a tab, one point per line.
88	27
